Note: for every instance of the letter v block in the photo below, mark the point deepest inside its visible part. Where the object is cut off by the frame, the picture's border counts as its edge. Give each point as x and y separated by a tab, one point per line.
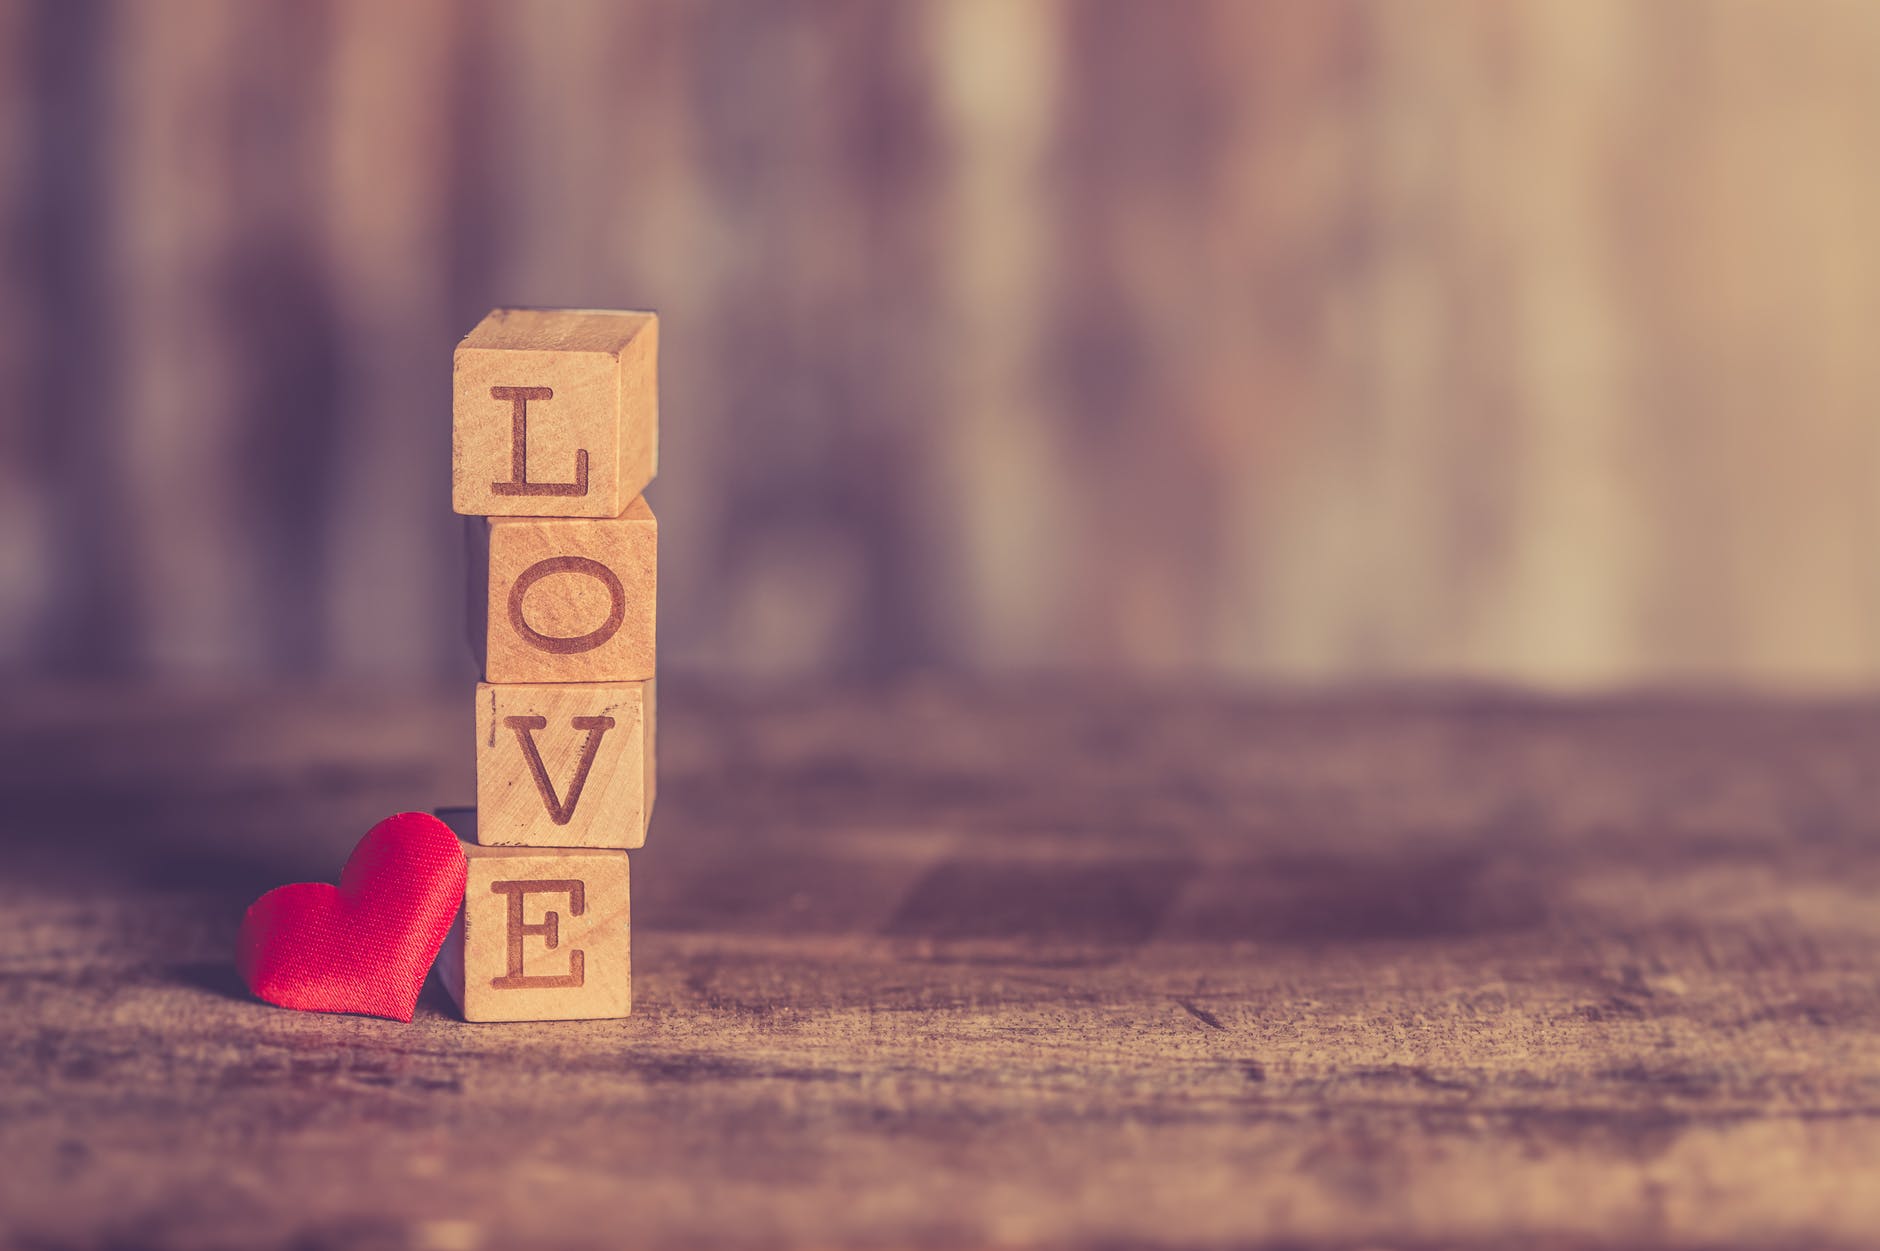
565	600
554	413
564	764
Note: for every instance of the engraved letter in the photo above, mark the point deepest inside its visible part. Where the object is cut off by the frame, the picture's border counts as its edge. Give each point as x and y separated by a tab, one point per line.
558	811
616	612
519	483
549	929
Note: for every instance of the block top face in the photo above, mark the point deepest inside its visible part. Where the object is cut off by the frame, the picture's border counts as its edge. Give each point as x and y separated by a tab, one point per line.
567	855
464	824
554	413
601	330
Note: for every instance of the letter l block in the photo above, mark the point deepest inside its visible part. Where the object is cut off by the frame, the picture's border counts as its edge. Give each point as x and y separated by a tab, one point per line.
554	413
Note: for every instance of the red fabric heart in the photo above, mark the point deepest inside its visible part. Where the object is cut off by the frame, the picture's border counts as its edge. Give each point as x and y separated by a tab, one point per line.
365	945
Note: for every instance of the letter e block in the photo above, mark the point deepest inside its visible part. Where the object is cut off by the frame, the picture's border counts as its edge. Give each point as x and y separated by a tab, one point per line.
564	764
568	600
554	413
543	936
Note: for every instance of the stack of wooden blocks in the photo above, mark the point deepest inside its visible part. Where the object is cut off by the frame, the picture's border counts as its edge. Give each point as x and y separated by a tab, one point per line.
555	433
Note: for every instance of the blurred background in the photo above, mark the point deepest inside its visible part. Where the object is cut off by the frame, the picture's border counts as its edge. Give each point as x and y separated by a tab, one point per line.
1535	342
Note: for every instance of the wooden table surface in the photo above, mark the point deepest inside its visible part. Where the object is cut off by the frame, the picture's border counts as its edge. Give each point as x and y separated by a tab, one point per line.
931	967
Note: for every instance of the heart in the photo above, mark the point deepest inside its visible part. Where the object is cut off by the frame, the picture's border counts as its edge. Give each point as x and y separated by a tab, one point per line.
365	945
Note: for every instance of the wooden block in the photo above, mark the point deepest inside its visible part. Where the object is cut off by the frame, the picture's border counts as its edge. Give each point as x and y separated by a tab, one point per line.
543	936
564	764
566	600
555	413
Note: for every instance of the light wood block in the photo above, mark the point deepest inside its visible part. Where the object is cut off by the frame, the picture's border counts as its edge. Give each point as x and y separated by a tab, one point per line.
566	600
564	764
555	413
543	936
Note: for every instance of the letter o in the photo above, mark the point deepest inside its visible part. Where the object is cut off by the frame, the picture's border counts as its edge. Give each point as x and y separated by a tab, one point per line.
616	613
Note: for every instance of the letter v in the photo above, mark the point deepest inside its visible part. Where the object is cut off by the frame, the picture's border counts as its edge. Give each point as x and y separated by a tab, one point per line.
559	812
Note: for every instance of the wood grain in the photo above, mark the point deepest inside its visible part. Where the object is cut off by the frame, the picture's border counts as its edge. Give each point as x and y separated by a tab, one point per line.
565	764
567	600
1025	966
555	413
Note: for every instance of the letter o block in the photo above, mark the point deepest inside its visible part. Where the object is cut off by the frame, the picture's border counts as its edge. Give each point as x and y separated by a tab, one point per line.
554	413
568	600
